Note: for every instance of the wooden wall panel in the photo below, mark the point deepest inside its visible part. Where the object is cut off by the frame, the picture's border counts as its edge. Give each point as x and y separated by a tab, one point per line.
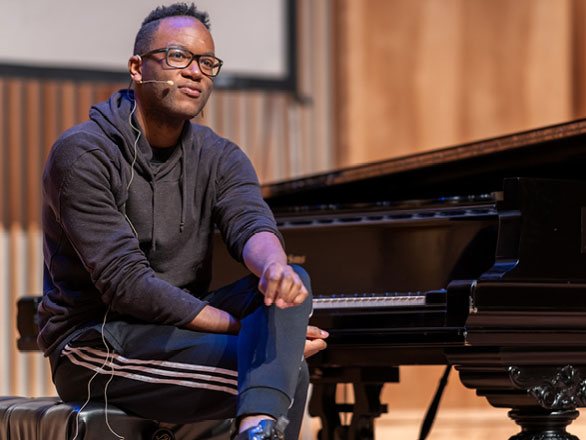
34	153
32	197
15	204
413	76
50	128
578	29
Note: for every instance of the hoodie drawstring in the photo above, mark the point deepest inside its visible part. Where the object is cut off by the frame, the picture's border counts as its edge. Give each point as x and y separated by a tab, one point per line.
183	188
154	229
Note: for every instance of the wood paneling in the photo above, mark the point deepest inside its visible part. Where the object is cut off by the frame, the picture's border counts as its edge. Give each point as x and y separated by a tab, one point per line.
417	75
578	29
15	165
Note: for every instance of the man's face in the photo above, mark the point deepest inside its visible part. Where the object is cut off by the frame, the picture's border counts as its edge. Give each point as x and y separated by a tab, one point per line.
191	89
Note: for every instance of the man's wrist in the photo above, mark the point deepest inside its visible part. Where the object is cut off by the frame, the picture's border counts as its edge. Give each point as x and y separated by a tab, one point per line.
213	320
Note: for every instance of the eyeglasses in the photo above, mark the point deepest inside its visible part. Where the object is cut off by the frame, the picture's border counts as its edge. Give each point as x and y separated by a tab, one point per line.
178	58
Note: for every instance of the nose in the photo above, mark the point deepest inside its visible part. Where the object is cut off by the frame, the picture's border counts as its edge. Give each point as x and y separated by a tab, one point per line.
193	70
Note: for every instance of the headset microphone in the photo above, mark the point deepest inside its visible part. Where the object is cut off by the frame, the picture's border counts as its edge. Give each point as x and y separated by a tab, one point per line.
156	81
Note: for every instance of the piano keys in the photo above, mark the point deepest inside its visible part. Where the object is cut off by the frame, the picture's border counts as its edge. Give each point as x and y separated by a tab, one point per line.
358	301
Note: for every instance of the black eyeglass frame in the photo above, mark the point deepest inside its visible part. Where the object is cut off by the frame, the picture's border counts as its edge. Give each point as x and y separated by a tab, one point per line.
193	57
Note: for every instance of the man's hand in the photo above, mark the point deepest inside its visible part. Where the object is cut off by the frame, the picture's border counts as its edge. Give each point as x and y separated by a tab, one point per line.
315	341
264	256
282	286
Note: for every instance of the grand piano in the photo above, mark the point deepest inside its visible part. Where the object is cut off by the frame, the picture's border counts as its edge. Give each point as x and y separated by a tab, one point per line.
473	257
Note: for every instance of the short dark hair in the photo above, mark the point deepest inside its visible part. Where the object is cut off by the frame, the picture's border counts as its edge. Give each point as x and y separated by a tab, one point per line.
151	23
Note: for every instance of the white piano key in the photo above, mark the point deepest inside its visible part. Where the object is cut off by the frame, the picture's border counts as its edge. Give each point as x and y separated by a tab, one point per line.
356	302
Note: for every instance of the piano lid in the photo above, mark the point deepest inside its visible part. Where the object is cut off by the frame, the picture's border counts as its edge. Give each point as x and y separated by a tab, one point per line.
557	151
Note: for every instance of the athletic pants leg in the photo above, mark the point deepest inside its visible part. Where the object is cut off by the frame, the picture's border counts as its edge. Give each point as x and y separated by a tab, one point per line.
177	375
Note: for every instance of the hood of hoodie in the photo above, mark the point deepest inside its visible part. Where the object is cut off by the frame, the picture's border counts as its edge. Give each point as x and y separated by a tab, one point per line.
116	119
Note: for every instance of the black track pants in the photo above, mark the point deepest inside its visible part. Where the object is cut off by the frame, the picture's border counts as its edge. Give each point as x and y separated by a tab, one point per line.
176	375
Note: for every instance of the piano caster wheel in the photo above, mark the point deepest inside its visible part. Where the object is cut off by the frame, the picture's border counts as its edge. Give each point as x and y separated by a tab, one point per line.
342	433
364	430
543	425
544	436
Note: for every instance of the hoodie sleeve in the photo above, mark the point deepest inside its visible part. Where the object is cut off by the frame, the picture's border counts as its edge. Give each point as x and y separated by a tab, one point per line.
80	192
240	211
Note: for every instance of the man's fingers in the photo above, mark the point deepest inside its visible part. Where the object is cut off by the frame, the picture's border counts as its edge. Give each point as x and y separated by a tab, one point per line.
314	332
300	296
269	282
313	346
286	284
282	304
292	289
289	285
281	286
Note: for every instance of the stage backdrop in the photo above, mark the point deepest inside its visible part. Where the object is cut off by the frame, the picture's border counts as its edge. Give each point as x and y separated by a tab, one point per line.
251	37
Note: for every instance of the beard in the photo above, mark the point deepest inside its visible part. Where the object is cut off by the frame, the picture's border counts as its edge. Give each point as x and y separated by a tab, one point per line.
171	107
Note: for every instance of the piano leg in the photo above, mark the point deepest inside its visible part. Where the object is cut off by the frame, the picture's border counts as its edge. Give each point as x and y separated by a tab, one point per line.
323	405
543	398
367	383
367	407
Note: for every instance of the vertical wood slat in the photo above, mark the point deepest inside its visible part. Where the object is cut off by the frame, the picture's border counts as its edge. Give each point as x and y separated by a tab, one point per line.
32	270
5	347
3	148
68	107
14	144
85	92
51	131
284	149
320	74
348	28
307	44
578	12
254	111
34	153
266	150
49	123
219	109
237	133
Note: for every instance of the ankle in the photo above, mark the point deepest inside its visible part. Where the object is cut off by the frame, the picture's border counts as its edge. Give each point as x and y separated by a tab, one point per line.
250	421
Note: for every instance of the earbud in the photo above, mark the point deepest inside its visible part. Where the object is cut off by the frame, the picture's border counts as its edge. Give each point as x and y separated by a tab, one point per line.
156	81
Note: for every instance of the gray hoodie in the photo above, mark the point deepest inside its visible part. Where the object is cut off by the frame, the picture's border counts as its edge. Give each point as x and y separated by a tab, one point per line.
119	233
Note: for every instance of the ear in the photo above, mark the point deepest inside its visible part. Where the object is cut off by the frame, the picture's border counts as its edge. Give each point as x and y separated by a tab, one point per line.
135	68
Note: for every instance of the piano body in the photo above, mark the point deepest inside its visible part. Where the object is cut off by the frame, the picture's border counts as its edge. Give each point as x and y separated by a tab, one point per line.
472	256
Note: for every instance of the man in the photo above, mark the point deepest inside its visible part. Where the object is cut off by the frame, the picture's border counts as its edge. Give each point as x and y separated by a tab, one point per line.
131	198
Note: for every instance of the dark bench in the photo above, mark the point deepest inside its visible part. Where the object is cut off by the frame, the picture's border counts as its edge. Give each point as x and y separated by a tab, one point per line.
48	418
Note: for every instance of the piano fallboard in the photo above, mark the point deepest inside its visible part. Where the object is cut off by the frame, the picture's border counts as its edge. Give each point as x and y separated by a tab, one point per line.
382	248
